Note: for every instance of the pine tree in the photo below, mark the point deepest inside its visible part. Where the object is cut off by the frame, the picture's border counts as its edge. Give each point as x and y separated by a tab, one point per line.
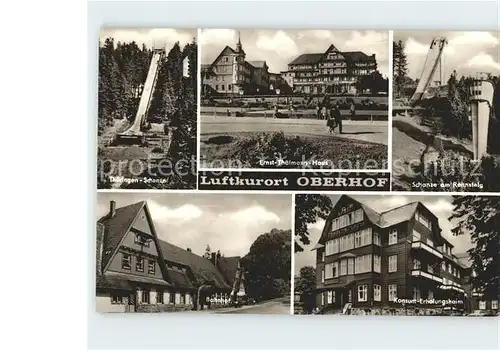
480	216
399	67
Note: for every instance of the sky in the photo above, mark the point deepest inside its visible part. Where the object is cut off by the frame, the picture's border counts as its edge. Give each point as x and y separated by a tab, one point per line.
149	36
279	47
227	222
441	206
466	52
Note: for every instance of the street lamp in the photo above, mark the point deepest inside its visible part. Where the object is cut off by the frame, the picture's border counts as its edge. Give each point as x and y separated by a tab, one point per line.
241	94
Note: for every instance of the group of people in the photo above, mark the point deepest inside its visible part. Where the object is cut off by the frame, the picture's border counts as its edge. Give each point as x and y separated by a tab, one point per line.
333	116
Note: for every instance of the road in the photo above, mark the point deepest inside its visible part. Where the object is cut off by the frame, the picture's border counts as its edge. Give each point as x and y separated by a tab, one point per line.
376	131
270	307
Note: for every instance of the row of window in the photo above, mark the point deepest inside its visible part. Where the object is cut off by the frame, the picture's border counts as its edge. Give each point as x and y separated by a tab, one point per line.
145	298
354	240
139	264
494	305
351	241
362	294
447	267
446	249
358	265
347	219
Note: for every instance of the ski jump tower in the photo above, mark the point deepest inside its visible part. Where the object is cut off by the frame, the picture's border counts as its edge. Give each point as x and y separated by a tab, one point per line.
481	95
134	134
433	59
481	98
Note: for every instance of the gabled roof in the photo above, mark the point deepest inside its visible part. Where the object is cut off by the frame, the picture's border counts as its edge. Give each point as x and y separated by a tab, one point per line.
226	51
307	59
258	64
229	266
202	268
117	227
398	215
390	217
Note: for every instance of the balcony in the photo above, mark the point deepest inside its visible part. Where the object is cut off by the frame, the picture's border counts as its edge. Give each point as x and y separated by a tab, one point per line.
453	286
420	273
420	245
339	282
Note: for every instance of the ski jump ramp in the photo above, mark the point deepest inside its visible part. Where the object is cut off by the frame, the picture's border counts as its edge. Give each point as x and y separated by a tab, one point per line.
134	131
430	65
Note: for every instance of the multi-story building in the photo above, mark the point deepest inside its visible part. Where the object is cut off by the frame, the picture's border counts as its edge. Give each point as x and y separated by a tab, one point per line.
137	271
230	74
332	71
396	261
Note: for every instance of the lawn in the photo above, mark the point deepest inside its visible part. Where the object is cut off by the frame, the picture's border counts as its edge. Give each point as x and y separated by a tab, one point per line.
263	150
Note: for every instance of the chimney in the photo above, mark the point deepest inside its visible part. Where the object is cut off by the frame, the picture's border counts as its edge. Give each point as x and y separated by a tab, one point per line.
218	256
188	249
100	230
112	209
213	258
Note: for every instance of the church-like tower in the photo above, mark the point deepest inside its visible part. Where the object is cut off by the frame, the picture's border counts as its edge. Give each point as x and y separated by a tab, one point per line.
238	65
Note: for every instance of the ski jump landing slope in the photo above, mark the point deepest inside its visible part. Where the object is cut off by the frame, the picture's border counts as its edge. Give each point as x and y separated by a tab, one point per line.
146	96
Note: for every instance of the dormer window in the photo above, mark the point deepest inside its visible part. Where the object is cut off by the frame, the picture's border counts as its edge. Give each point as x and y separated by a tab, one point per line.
423	220
141	240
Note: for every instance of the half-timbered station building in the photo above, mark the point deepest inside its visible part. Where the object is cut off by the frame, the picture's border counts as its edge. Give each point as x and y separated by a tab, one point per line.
138	272
394	262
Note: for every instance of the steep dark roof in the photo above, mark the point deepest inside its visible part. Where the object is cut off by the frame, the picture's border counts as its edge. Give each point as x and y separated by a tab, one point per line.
119	224
357	56
179	279
117	227
228	266
389	217
122	281
201	267
257	64
307	59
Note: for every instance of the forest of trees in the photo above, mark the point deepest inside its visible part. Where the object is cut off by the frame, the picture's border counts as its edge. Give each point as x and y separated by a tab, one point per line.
123	69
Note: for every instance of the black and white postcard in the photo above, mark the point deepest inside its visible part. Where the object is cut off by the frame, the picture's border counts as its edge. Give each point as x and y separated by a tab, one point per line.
147	109
204	253
397	255
446	112
294	99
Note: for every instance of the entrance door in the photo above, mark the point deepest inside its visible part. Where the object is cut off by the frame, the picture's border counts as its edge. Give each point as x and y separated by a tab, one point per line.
132	300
